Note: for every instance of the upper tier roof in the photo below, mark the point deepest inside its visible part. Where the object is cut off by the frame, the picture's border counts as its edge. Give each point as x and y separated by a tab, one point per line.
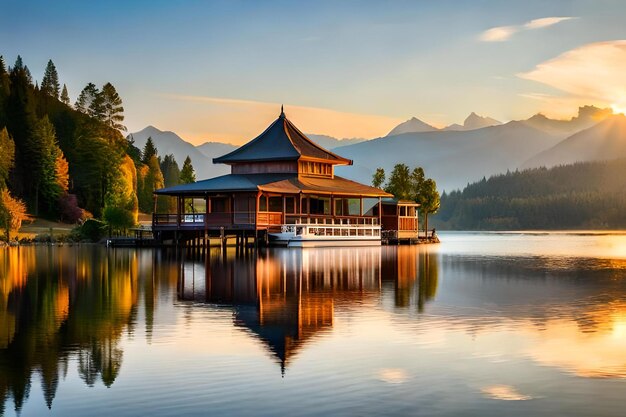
281	141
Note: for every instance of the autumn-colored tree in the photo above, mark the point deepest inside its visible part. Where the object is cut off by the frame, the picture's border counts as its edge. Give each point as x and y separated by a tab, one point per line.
12	213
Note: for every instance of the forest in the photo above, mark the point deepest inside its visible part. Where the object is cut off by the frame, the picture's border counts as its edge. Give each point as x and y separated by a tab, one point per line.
71	163
580	196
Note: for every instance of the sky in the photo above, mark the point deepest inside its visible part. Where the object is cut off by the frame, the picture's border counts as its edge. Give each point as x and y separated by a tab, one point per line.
219	70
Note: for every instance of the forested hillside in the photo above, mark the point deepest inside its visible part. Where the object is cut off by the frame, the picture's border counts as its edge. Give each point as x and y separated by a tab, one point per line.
69	162
578	196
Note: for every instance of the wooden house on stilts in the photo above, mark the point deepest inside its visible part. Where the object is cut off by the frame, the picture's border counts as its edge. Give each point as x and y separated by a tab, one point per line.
282	187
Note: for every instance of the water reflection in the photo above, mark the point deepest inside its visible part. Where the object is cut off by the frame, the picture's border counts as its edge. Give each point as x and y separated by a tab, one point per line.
286	297
481	325
57	304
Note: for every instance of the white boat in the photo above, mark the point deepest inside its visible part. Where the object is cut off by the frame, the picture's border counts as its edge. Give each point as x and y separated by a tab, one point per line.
325	235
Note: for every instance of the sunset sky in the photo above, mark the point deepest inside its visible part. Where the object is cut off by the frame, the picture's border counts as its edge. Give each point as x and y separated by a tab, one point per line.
220	70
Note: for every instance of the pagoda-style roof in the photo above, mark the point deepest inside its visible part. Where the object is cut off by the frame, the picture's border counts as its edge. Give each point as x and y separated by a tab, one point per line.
281	141
275	183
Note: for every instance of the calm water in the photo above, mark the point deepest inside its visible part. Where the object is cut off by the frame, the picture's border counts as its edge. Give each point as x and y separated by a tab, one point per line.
483	324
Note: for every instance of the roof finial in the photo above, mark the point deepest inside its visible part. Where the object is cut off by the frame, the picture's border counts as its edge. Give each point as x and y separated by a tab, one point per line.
282	112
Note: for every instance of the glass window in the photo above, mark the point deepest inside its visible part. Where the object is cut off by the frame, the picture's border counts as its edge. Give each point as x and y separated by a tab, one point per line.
275	204
290	205
370	207
319	205
263	203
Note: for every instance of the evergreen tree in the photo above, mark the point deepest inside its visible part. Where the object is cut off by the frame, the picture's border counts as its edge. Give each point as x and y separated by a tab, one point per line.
89	102
187	174
50	175
378	179
19	64
133	151
50	81
149	150
170	170
113	111
65	97
7	156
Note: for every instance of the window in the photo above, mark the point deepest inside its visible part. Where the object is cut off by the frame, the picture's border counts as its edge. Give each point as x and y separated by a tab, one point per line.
263	203
347	206
275	204
290	205
319	205
219	205
370	207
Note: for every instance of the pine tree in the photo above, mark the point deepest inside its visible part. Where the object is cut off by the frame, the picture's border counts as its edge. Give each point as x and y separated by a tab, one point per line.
170	170
149	150
113	111
65	97
50	81
19	64
89	102
187	174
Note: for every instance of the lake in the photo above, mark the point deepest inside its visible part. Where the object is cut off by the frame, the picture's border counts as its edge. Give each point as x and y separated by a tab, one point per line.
483	324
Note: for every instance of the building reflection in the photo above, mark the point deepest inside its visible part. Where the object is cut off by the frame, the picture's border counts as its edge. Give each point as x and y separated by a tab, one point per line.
284	298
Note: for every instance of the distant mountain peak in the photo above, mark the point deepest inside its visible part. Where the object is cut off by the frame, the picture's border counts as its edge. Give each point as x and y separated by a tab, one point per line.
413	125
474	121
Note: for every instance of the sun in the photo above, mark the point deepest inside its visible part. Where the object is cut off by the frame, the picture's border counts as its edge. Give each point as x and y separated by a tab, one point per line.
618	108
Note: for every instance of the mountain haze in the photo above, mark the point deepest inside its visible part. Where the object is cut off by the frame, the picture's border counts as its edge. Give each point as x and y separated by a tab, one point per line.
587	117
604	141
472	122
170	143
413	125
451	158
330	142
214	149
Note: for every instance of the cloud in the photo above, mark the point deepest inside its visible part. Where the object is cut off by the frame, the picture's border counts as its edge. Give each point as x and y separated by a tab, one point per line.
545	22
504	33
498	34
591	74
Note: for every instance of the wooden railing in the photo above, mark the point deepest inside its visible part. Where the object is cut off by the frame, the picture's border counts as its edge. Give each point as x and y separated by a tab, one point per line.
339	220
269	218
407	223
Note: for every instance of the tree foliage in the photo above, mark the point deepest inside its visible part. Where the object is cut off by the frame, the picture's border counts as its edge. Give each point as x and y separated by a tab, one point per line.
578	196
50	82
12	213
170	170
65	97
149	150
89	102
112	109
187	173
7	156
378	179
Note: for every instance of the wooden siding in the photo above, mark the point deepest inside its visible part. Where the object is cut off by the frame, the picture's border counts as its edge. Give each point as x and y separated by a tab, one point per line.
276	167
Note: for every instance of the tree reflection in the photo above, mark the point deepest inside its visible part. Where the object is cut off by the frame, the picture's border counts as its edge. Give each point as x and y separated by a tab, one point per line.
68	303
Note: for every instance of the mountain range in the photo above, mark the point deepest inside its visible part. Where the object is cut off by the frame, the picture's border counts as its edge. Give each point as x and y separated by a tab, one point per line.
453	156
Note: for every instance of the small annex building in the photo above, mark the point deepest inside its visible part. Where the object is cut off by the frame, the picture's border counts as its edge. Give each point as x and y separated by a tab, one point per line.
279	178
